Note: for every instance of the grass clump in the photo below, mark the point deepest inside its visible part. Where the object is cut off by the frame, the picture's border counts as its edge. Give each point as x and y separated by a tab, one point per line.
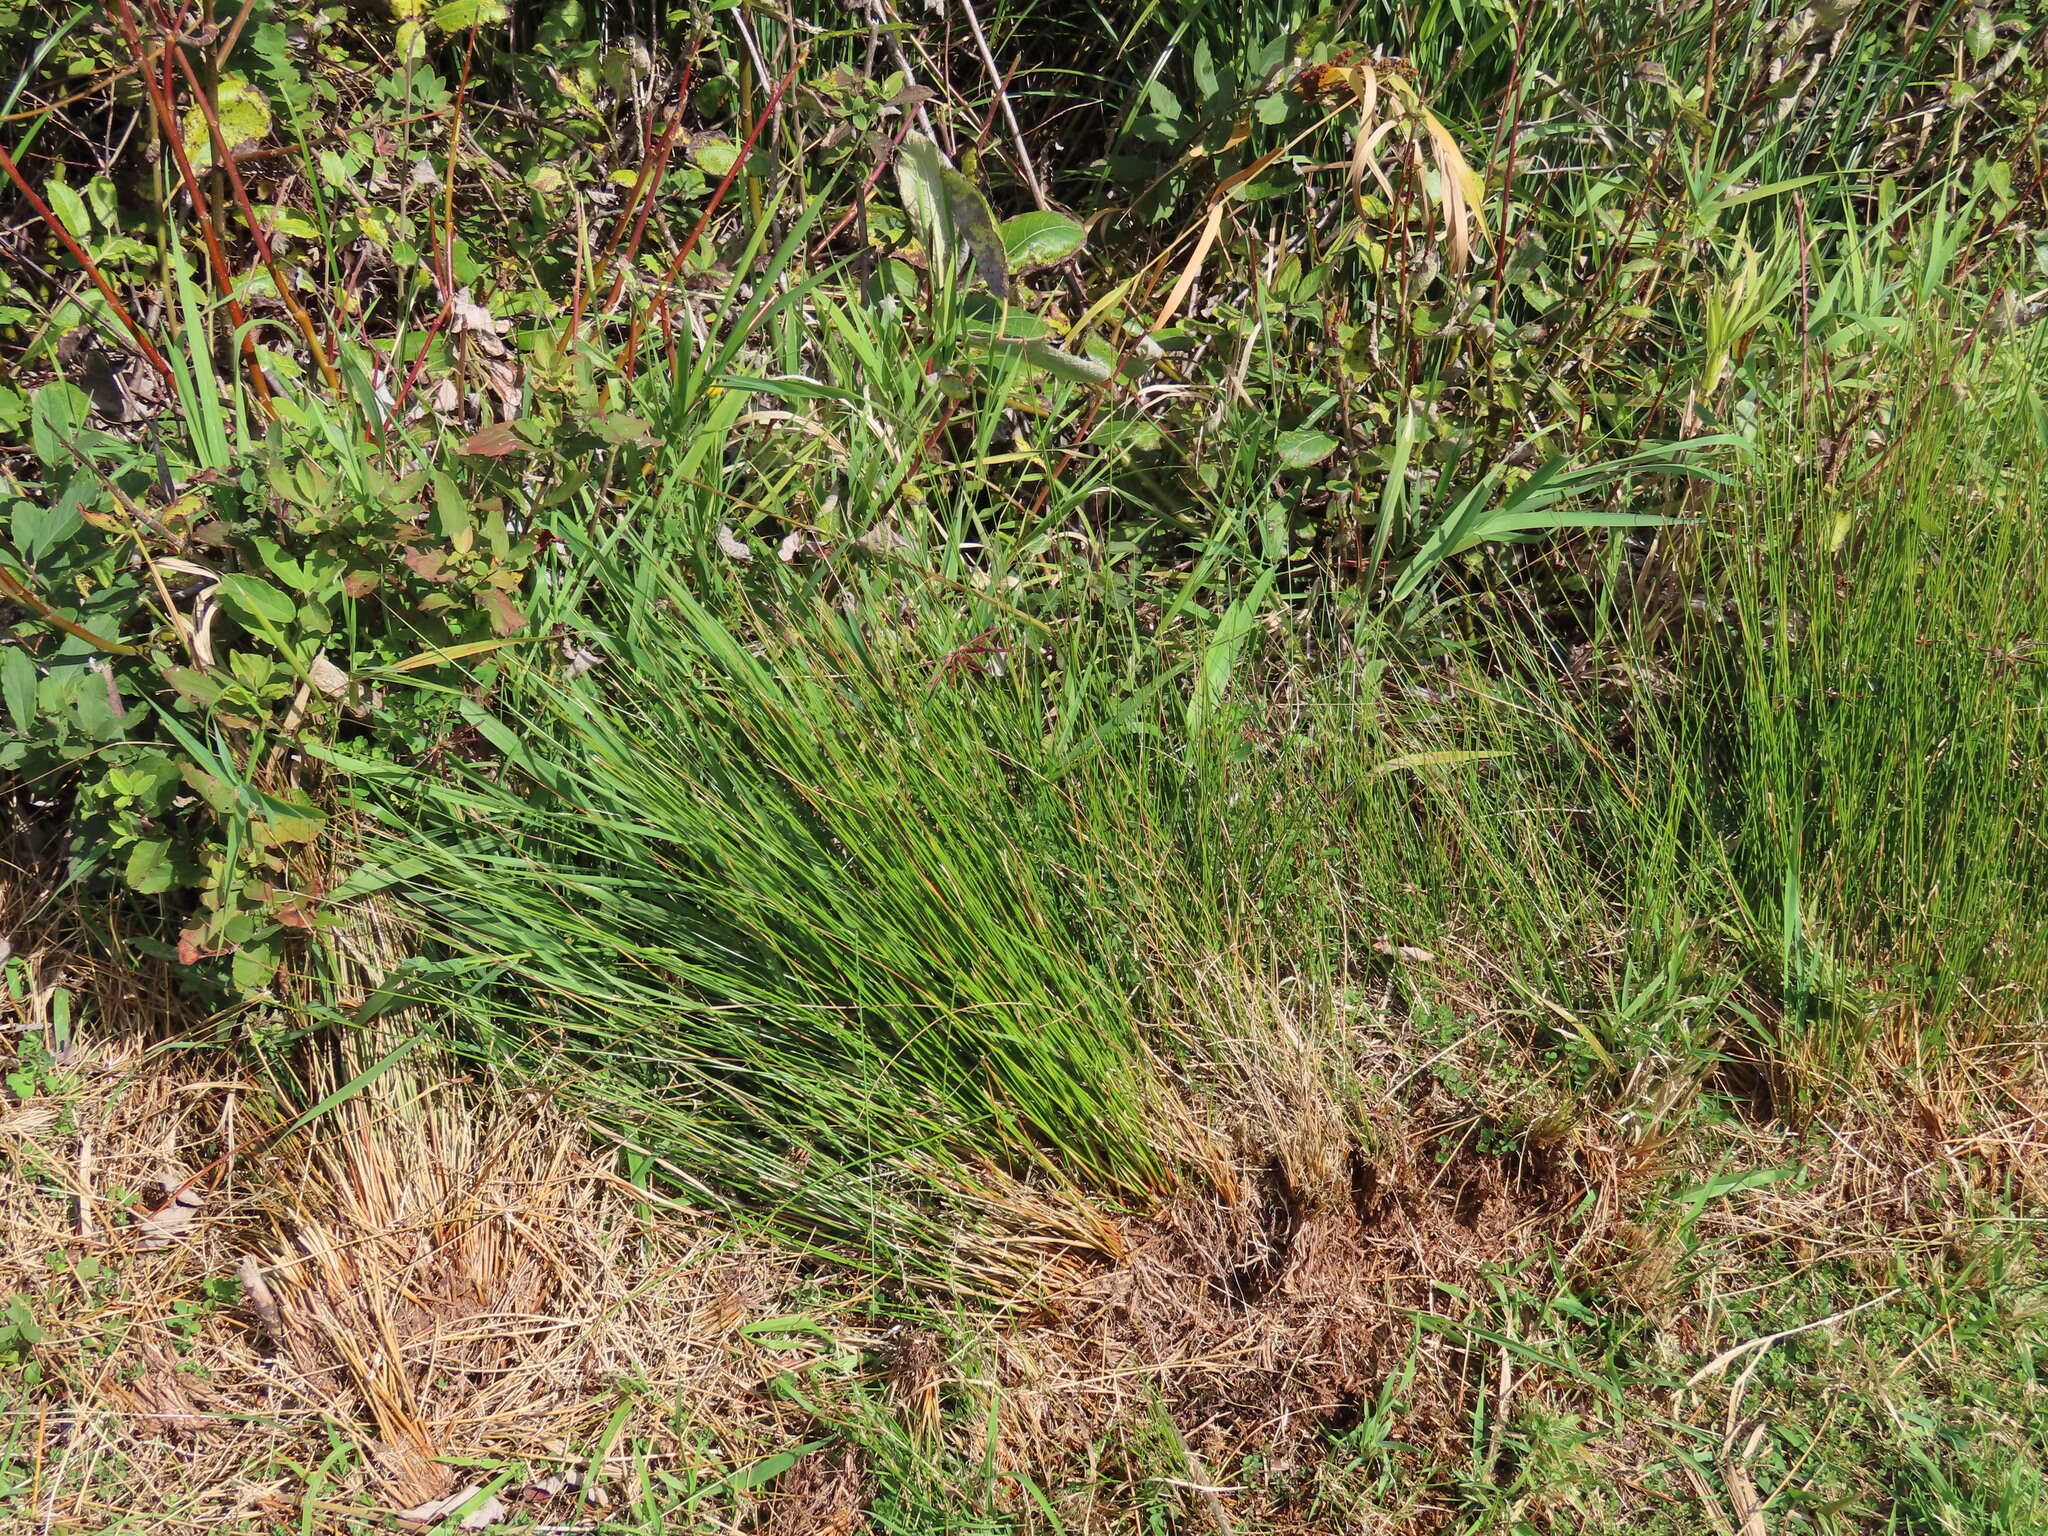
1023	770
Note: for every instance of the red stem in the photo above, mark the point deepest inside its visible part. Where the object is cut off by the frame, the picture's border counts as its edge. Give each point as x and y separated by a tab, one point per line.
717	197
91	268
162	104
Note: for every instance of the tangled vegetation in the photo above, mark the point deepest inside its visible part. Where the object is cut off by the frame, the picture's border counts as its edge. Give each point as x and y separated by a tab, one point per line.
1025	767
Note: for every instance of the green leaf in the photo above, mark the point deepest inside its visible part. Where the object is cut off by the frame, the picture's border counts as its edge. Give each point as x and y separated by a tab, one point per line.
949	214
1410	761
244	113
1305	448
461	15
57	415
1692	1201
1980	36
18	687
255	602
1039	239
764	1471
977	225
39	529
69	207
255	964
921	182
1067	365
149	869
716	156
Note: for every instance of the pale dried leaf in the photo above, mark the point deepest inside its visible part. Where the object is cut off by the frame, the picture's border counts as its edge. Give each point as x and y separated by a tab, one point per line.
170	1220
732	546
262	1300
1412	954
490	1512
465	314
327	677
467	317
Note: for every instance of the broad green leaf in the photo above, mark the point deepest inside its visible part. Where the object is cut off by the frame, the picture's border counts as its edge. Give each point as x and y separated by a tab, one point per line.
69	208
977	226
244	114
716	156
255	601
149	868
921	182
461	15
18	687
40	529
1039	239
1305	448
57	414
255	964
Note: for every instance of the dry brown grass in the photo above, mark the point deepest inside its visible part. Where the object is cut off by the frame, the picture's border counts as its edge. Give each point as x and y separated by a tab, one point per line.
443	1285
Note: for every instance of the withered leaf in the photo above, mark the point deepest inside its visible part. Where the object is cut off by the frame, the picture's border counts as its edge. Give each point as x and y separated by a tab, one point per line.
506	619
493	442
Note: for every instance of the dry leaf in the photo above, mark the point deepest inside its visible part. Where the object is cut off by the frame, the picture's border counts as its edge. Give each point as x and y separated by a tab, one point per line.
579	658
731	546
467	317
490	1512
506	619
327	677
493	442
295	915
1412	954
262	1300
427	564
465	314
882	538
170	1220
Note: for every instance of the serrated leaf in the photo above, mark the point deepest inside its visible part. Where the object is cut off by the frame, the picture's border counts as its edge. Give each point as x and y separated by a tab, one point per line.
244	114
1039	239
1304	448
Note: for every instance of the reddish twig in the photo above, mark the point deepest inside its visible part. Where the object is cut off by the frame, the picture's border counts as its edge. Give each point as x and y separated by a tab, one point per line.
704	219
90	267
165	110
224	151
